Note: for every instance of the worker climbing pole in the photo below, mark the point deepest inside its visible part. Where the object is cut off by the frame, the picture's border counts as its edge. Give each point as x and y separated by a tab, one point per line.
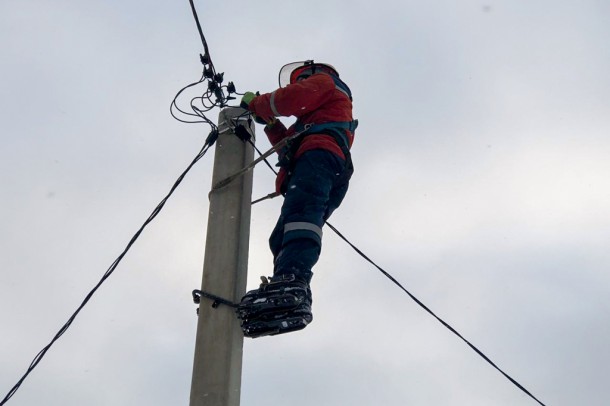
315	170
316	167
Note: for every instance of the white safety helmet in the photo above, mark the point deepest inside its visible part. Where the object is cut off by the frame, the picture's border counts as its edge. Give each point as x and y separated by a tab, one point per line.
295	71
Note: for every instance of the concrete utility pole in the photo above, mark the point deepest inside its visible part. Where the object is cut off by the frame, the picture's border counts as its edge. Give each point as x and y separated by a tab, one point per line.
218	349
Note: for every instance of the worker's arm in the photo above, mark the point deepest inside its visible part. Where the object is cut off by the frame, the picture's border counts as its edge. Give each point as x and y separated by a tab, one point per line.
296	99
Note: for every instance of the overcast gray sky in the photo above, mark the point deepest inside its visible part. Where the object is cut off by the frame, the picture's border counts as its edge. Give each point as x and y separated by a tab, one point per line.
482	184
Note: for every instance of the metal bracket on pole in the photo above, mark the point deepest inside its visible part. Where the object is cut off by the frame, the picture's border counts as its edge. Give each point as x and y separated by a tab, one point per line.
232	117
217	300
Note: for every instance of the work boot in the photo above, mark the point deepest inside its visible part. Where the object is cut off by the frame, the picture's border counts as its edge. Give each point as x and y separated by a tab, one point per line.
275	294
281	304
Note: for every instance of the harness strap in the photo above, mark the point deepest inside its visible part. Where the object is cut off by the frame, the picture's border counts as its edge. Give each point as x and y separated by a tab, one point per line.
342	87
342	125
335	129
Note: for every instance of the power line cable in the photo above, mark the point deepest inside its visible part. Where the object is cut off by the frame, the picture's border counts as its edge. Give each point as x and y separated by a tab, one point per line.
427	309
203	41
260	153
416	300
215	88
209	142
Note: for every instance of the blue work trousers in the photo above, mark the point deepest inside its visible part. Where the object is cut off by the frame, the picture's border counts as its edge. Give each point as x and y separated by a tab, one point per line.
316	188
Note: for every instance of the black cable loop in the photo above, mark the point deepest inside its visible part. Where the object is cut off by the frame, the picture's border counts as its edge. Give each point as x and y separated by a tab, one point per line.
174	104
214	94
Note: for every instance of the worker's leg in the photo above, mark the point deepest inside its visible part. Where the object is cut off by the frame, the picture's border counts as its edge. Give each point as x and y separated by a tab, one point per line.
283	304
312	194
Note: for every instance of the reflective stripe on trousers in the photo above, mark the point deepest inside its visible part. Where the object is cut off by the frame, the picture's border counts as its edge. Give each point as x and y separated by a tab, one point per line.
315	190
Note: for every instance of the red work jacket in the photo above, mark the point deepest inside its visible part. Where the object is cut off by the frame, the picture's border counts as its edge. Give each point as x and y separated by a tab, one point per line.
315	100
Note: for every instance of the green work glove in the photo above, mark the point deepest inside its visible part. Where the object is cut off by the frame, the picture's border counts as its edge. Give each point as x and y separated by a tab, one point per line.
247	99
245	104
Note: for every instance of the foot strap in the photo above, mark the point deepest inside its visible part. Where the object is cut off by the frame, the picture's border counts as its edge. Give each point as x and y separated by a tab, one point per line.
217	300
271	313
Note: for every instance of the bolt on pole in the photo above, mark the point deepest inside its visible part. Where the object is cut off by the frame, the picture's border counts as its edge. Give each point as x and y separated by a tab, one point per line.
217	365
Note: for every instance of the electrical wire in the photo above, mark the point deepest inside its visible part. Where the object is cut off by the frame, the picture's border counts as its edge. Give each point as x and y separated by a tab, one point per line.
203	41
427	309
199	106
215	88
419	302
210	140
213	94
260	153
